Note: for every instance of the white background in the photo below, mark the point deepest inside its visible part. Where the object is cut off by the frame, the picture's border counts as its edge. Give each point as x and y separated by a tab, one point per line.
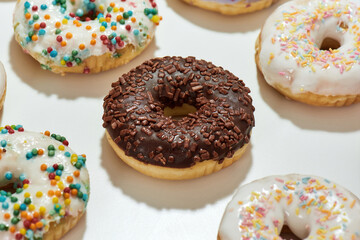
289	137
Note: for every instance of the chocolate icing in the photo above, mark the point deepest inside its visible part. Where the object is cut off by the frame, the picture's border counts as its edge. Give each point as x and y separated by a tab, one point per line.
134	112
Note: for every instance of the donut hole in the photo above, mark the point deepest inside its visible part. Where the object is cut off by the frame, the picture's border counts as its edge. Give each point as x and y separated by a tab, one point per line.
11	186
329	43
287	234
179	112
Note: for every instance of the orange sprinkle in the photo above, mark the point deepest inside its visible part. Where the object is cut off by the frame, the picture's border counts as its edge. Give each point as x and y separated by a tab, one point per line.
133	19
63	43
34	38
53	182
74	191
94	35
57	24
75	22
76	173
93	42
58	193
119	17
112	4
23	214
66	195
83	155
27	15
36	214
88	27
108	19
82	46
29	217
40	151
47	16
121	9
36	26
69	35
12	229
43	167
6	215
113	28
47	133
39	224
69	179
78	24
33	226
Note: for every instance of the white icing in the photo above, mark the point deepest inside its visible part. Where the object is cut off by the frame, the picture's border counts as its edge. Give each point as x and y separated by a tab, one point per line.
14	160
260	209
2	80
81	35
290	42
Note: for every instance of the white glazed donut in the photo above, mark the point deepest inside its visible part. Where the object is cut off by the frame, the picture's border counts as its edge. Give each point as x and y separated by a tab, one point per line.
232	7
312	207
85	36
2	85
44	185
309	51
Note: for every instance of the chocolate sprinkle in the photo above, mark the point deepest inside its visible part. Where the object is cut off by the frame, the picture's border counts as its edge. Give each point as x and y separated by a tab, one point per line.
134	112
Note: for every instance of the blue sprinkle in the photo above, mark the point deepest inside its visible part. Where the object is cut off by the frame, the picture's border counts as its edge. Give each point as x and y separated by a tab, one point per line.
22	177
67	154
67	17
327	180
29	234
42	32
2	199
79	12
130	13
23	207
5	130
113	24
31	22
53	53
305	180
26	4
77	186
18	126
104	24
285	187
66	58
50	169
85	197
58	172
29	155
8	175
43	7
113	41
150	16
3	143
136	32
5	205
62	10
54	2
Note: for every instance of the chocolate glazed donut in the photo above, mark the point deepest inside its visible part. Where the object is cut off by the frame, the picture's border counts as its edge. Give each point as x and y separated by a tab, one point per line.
134	112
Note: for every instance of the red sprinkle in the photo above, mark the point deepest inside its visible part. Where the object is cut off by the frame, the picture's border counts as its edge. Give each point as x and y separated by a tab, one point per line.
128	27
59	39
34	8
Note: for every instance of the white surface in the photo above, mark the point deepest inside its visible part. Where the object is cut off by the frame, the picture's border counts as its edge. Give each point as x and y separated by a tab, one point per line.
289	137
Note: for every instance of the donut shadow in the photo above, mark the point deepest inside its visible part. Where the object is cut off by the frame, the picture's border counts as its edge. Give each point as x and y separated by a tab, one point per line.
330	119
219	22
78	231
70	86
164	194
2	113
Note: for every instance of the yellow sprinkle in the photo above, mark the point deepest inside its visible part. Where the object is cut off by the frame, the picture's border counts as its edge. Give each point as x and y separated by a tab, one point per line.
335	228
57	178
352	204
55	200
27	194
308	211
42	210
39	194
61	148
67	201
101	7
25	186
297	211
23	231
64	21
62	62
115	9
31	207
240	202
313	69
16	206
102	28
